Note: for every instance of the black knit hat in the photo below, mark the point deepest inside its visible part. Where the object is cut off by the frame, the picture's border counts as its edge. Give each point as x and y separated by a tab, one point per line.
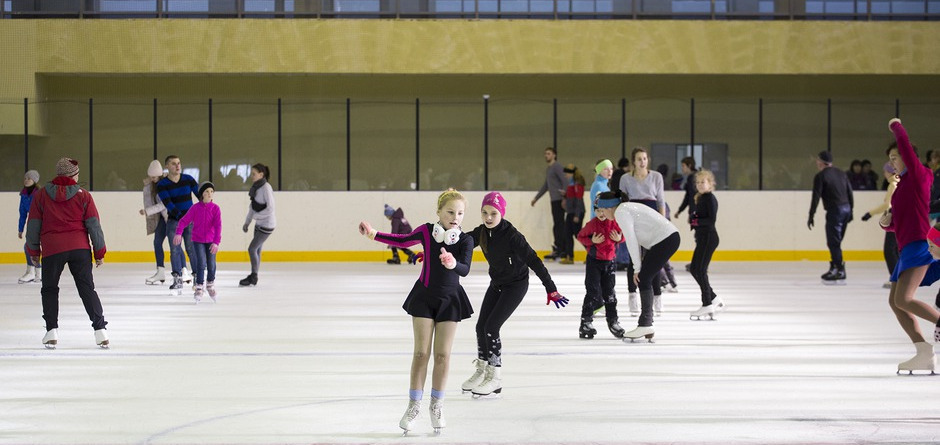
203	187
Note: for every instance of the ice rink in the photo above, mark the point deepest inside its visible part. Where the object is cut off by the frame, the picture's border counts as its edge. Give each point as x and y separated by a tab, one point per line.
320	353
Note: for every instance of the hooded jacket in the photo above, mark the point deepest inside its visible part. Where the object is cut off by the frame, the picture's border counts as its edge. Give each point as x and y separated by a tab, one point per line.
62	218
509	255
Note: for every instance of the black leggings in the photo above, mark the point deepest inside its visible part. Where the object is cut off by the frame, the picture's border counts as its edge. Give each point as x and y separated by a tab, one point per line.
498	304
706	241
653	261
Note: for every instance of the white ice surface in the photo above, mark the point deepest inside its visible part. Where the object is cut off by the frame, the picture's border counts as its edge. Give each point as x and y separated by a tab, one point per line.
320	353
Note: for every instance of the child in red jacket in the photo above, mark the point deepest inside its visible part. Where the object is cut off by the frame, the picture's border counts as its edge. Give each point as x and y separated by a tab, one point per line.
600	237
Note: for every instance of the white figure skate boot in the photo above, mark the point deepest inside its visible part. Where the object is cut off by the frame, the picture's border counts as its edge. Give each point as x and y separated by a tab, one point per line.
640	332
158	277
197	294
210	289
492	383
658	305
101	339
477	376
187	277
51	339
703	312
634	303
29	276
924	360
437	415
407	422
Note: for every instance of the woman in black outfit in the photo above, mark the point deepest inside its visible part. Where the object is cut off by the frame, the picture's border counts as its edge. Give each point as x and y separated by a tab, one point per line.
510	257
704	211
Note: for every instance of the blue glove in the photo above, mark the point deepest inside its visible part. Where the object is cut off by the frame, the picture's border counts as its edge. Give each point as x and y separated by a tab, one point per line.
554	297
416	258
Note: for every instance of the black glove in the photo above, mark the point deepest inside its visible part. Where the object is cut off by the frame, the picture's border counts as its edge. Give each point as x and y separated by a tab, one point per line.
866	216
809	223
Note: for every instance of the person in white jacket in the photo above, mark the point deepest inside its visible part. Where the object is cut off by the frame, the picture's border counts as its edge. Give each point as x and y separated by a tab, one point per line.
647	228
155	212
261	211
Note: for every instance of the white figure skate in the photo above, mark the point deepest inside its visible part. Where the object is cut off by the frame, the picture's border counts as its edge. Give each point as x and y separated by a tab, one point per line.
477	378
924	360
29	276
51	339
634	303
703	313
101	339
197	293
159	277
658	305
492	384
407	422
640	332
210	289
437	415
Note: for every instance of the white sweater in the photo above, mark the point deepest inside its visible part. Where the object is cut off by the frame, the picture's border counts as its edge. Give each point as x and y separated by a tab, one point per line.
642	227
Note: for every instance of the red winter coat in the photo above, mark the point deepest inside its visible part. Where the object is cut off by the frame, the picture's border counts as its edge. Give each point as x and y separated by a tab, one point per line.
62	217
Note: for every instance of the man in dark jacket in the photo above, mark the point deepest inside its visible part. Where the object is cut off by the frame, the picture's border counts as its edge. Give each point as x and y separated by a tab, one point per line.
62	218
832	186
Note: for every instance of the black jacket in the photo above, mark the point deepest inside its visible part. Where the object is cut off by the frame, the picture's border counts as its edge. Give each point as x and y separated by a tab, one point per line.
509	255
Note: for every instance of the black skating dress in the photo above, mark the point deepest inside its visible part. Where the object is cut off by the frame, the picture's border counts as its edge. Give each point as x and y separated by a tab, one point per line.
437	294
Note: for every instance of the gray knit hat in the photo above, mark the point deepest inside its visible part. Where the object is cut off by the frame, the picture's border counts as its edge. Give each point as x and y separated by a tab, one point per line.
67	167
33	175
389	211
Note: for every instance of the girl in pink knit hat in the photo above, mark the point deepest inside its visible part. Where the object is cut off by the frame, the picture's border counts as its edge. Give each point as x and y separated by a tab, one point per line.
510	257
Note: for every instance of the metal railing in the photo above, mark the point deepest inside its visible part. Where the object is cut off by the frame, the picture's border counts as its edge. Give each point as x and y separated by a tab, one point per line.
861	10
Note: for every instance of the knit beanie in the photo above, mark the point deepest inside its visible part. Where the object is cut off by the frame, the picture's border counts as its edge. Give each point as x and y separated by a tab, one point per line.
67	167
389	211
155	169
203	187
825	156
602	165
496	200
33	175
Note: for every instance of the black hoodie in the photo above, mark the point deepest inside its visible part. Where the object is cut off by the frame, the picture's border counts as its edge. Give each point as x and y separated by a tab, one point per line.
509	255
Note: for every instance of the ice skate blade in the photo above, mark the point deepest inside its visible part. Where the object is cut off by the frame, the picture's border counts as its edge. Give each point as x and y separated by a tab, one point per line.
586	336
910	372
50	345
104	345
493	395
833	282
438	431
648	337
703	318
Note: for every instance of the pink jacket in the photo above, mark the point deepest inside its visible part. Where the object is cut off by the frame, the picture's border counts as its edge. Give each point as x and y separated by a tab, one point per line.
206	219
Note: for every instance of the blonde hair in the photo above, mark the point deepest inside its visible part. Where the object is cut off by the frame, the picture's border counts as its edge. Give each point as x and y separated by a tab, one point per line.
448	196
707	175
576	175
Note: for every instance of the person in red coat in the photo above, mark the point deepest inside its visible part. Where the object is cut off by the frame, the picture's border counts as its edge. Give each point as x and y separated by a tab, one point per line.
62	219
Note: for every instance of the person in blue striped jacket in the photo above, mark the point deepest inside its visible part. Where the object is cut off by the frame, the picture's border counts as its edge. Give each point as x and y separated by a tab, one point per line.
176	192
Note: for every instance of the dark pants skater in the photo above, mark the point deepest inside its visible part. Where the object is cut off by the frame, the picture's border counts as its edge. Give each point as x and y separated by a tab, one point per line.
79	262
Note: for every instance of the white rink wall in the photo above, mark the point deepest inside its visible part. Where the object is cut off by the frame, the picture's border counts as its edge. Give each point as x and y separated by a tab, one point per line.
310	222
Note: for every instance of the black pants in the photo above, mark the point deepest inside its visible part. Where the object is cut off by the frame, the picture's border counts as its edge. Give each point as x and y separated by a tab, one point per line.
599	280
891	251
706	241
79	262
406	252
498	304
558	225
571	231
653	261
837	219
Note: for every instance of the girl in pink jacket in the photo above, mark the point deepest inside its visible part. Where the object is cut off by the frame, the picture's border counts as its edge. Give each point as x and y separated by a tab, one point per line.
206	218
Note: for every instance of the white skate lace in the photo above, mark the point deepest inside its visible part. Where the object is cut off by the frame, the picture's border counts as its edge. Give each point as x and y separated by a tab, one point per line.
436	411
